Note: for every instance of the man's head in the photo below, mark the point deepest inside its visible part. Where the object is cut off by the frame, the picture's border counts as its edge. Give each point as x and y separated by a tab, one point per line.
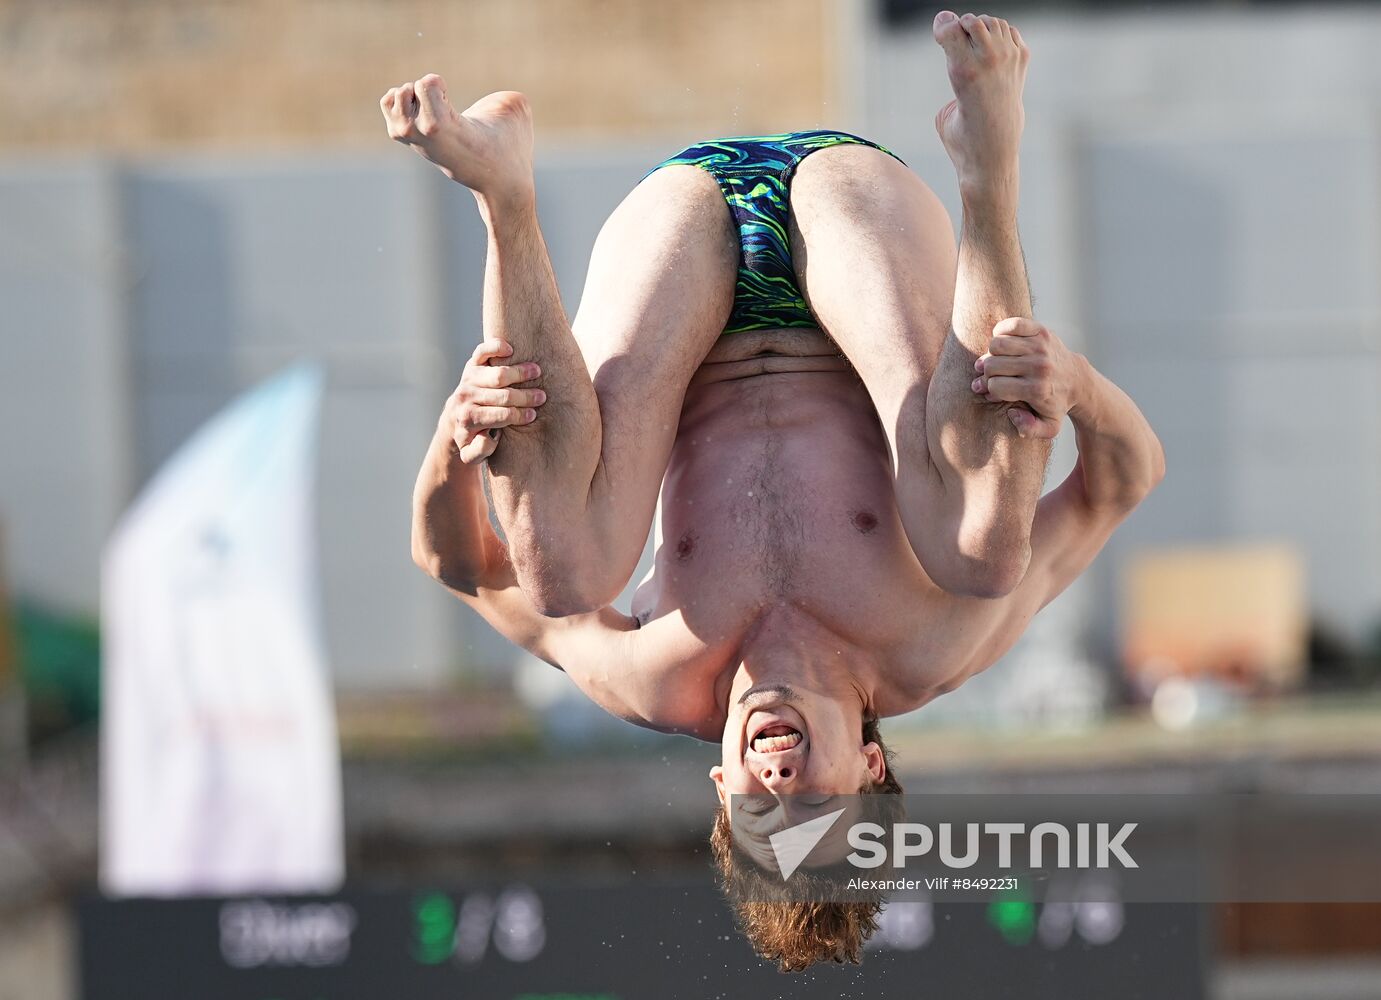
793	739
797	933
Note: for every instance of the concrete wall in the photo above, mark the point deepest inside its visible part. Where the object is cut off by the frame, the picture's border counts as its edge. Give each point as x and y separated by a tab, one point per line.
1202	213
140	298
139	74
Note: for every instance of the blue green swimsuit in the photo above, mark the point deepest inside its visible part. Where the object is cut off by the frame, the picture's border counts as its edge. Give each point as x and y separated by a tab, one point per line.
754	173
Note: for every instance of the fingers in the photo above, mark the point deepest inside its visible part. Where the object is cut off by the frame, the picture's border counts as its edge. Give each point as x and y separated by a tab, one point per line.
478	418
480	372
1018	326
479	447
994	365
1007	388
487	397
506	397
1035	367
1029	425
501	376
492	348
1012	347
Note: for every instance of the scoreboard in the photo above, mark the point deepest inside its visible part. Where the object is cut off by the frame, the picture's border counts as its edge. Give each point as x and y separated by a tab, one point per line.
567	941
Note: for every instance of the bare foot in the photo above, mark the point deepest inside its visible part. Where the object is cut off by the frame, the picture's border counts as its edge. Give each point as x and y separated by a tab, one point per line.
981	128
487	147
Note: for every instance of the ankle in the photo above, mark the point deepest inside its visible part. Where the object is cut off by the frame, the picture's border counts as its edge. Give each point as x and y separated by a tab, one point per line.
990	198
499	209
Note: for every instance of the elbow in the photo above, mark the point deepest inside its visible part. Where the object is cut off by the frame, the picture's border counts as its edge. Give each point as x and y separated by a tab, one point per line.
1157	464
1136	489
426	560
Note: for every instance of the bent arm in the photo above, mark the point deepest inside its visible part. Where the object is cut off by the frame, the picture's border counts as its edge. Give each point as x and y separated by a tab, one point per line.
602	651
1120	462
452	540
1120	458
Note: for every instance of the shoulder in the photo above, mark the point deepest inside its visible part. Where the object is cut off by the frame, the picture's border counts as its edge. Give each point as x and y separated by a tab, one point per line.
963	636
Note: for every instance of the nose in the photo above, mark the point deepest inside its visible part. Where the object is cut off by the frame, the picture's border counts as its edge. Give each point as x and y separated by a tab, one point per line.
774	778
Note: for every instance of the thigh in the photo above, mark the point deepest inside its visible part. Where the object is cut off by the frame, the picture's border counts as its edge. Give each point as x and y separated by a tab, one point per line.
875	255
658	293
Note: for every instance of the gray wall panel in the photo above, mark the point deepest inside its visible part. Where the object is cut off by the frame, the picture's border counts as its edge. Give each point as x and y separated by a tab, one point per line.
245	269
64	442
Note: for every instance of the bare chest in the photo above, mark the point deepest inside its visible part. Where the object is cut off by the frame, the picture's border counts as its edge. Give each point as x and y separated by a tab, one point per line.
779	494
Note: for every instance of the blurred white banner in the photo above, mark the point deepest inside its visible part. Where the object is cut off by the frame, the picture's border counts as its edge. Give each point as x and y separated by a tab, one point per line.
220	762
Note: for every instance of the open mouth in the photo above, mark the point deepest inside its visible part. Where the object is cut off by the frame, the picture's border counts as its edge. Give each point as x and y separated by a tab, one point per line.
776	739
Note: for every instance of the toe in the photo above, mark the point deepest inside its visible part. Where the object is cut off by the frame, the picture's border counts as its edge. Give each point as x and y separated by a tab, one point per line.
407	101
948	31
431	100
432	83
973	24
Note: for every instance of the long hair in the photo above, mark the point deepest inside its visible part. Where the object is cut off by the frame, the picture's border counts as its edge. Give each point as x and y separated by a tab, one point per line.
794	933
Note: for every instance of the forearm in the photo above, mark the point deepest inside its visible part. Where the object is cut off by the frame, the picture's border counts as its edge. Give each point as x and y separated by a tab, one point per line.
451	536
1119	454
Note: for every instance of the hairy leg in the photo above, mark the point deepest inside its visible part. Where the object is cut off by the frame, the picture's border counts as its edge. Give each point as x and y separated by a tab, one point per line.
876	257
575	489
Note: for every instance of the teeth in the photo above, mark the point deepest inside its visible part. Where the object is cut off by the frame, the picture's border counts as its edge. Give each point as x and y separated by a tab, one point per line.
776	744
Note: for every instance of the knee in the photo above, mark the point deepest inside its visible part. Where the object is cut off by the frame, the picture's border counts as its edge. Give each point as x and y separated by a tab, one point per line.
989	576
562	602
561	591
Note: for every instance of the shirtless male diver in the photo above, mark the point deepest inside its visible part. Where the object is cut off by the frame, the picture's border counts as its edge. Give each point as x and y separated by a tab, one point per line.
848	421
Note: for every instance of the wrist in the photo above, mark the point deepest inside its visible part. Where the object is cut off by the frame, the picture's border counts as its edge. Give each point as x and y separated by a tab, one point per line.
1082	395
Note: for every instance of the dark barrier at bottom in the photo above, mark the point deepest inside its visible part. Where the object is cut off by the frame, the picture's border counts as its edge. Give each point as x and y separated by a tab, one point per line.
563	941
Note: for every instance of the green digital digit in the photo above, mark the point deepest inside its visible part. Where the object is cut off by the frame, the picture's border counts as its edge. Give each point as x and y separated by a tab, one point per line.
434	928
1014	918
